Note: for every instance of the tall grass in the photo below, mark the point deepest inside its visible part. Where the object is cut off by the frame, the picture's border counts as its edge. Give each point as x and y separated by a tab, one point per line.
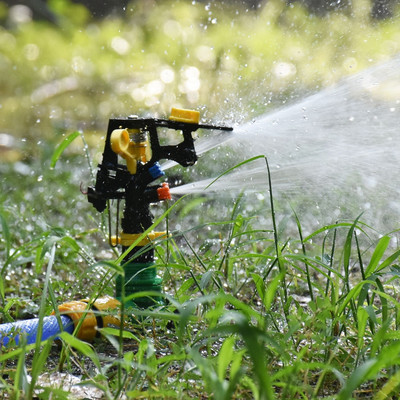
252	310
260	313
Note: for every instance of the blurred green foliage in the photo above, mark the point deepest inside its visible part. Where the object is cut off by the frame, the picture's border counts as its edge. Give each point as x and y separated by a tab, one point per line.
229	62
232	64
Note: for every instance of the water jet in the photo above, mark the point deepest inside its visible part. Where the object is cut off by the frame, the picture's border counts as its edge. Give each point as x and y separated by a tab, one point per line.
334	149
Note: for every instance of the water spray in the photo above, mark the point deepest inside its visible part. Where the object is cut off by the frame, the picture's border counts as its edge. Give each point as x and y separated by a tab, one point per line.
333	154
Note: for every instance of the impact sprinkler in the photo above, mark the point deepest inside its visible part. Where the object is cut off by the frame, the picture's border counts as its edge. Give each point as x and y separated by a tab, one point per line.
136	140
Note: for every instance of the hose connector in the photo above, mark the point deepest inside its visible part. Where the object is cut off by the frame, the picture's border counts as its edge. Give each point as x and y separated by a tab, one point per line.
89	317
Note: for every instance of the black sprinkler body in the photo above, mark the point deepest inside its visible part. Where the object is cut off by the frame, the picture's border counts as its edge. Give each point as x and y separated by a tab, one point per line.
137	141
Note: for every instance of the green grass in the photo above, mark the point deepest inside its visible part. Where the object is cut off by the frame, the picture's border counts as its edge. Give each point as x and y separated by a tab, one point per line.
257	308
255	314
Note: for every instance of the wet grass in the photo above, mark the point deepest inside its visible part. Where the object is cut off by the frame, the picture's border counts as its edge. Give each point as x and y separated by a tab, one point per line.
251	312
257	306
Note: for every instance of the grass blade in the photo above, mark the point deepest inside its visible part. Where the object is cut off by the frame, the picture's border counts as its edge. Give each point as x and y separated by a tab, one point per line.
62	146
233	168
5	233
303	247
84	348
377	255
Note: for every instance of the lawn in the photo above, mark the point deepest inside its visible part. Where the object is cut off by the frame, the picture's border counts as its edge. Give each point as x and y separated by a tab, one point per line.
255	305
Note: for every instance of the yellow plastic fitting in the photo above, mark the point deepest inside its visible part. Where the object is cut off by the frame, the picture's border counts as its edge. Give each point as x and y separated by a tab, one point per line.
120	144
79	310
126	239
130	150
187	116
104	305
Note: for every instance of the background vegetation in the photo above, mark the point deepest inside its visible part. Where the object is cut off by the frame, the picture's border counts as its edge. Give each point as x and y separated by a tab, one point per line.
262	313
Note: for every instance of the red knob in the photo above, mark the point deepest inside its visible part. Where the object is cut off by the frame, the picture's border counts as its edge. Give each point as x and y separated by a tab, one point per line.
163	192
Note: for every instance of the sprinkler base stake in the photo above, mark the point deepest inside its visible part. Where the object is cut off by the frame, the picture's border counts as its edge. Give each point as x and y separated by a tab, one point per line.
139	277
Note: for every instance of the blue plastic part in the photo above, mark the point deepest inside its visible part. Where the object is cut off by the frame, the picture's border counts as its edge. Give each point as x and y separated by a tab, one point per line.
51	328
156	171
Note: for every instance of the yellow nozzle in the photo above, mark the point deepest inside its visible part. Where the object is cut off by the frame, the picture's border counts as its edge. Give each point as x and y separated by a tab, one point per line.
187	116
77	310
120	144
130	150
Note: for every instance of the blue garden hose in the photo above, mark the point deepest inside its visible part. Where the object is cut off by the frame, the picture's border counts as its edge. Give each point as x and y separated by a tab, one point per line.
12	331
87	318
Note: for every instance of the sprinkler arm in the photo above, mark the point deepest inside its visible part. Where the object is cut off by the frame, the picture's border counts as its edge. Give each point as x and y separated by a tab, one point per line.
113	177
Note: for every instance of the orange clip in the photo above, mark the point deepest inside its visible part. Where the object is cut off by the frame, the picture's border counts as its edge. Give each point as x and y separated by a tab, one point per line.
163	192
